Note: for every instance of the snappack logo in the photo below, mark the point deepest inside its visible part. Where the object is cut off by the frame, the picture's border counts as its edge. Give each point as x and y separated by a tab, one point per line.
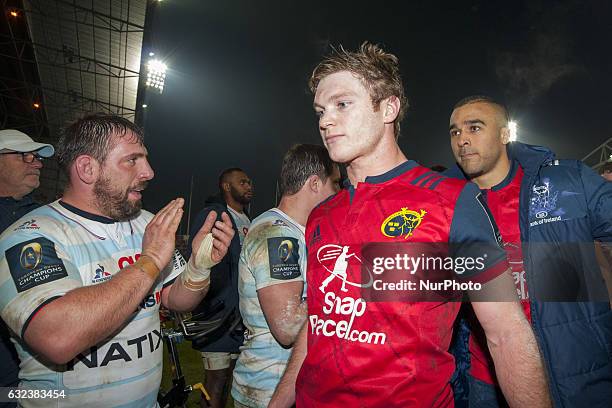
335	260
340	313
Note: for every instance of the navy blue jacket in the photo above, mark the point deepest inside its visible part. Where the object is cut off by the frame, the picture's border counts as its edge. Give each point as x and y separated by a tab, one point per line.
563	207
10	211
221	301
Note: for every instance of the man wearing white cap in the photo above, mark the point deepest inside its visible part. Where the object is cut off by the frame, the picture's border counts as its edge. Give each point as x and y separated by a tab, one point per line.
20	164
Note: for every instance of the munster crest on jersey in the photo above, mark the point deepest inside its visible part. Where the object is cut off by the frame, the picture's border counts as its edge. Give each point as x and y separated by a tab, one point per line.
402	223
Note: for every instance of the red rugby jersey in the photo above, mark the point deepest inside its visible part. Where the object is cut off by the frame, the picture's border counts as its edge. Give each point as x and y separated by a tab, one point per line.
386	353
503	202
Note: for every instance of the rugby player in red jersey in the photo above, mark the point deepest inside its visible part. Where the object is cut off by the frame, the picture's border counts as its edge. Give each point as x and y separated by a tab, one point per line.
359	352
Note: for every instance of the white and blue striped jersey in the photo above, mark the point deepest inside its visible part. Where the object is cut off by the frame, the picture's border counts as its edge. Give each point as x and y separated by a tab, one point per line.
274	252
57	248
242	223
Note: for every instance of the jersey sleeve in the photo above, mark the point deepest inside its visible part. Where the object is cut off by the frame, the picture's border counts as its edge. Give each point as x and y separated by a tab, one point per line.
273	256
35	269
475	239
174	268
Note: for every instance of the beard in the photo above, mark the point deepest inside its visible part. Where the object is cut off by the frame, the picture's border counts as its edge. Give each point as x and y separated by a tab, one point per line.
241	198
115	203
474	169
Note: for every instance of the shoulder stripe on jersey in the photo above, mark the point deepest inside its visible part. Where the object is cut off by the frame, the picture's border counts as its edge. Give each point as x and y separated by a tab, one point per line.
421	177
43	304
429	178
435	183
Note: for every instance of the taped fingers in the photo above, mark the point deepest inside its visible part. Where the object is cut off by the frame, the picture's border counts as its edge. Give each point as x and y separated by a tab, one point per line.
203	256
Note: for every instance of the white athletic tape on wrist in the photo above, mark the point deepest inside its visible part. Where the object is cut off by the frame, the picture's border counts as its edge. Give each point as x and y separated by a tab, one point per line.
195	279
203	258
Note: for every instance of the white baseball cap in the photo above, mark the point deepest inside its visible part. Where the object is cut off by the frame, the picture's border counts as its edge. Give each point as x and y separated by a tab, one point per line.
11	139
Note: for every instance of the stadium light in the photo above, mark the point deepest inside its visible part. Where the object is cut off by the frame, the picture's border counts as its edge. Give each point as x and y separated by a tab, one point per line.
156	74
513	127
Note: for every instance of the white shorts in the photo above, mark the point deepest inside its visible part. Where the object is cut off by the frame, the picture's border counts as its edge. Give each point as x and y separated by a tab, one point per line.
217	360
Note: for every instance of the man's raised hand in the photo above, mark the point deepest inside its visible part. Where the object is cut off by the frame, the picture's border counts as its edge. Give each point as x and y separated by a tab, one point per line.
159	237
212	241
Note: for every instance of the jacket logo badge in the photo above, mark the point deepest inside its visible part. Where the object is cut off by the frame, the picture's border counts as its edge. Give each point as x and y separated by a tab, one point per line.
402	223
543	200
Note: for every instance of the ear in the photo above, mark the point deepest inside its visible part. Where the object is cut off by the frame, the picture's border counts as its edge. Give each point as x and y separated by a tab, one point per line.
87	169
314	183
505	135
391	108
226	187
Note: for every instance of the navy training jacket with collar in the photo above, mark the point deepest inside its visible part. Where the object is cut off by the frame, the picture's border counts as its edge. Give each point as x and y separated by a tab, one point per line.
564	206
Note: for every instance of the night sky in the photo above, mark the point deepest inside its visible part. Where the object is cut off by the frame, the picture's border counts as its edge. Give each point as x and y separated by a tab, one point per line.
236	90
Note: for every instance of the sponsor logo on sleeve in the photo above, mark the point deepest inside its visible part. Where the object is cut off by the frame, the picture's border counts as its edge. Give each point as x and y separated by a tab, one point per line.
28	225
284	258
34	263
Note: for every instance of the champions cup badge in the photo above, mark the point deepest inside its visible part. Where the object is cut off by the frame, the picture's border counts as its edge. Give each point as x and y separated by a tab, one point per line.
31	255
402	223
285	249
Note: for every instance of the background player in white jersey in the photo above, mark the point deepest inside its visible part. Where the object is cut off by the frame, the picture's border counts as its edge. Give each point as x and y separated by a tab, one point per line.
81	281
273	273
220	347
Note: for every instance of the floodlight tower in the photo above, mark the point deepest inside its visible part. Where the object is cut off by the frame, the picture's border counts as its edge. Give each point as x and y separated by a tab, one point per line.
156	75
513	127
